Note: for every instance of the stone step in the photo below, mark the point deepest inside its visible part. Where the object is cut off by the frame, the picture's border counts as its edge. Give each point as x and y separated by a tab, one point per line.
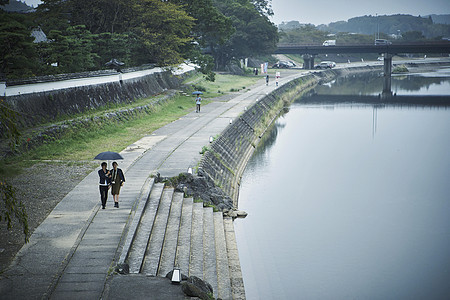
237	282
136	216
223	271
209	250
184	237
142	236
155	245
167	262
196	255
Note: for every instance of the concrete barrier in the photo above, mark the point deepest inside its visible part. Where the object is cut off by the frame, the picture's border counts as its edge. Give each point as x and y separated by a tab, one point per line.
43	107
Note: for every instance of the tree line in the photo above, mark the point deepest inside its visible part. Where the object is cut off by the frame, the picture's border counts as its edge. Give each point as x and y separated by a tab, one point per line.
363	30
83	35
391	24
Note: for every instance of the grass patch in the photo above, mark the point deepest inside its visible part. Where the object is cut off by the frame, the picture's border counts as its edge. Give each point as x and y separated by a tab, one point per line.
400	69
297	58
223	82
84	142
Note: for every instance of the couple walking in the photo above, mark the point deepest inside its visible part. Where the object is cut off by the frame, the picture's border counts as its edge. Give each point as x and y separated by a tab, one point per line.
110	179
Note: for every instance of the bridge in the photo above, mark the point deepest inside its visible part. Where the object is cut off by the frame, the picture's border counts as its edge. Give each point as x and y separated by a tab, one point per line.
310	51
392	49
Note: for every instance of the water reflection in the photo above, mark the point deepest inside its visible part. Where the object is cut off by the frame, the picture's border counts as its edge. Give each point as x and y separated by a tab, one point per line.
395	101
339	212
372	84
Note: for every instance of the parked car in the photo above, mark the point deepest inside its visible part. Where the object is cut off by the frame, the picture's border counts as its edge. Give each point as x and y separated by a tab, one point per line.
284	64
325	65
382	42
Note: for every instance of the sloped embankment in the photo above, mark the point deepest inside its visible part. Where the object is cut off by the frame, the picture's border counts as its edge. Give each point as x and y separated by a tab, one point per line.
228	155
43	107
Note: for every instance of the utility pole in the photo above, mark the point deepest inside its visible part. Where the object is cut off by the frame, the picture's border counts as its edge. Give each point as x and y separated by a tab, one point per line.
378	28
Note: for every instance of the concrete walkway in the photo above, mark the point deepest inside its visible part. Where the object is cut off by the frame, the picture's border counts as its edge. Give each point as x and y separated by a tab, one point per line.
71	253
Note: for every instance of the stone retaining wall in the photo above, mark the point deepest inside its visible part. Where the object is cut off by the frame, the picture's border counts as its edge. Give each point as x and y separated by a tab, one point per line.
44	107
229	153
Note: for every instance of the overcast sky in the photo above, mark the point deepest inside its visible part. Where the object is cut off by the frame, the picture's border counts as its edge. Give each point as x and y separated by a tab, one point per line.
327	11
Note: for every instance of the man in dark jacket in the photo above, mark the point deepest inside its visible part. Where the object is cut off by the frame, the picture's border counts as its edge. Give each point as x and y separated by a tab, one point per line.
104	183
117	180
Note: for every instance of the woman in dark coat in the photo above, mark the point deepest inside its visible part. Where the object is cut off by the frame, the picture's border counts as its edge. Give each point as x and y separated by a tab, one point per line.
117	180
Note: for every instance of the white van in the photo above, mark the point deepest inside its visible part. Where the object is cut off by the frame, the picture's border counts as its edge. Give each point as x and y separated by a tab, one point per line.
329	43
382	42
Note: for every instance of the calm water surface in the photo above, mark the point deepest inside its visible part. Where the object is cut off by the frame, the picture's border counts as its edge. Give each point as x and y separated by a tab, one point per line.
351	201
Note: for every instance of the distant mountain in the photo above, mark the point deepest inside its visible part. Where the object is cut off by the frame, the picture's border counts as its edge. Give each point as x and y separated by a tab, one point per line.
393	24
17	6
440	19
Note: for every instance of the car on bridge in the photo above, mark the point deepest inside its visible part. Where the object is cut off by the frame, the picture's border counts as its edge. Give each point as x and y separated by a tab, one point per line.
325	65
382	42
329	43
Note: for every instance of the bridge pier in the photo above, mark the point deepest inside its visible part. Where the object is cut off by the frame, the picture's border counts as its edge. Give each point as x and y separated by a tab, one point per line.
308	62
387	71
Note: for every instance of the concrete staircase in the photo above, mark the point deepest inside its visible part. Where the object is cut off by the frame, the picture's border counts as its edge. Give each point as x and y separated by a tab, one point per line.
168	230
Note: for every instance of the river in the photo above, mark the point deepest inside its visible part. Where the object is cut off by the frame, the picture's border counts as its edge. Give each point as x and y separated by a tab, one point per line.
351	200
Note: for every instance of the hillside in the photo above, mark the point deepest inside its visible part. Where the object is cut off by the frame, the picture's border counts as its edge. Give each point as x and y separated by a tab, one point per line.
440	19
16	6
393	24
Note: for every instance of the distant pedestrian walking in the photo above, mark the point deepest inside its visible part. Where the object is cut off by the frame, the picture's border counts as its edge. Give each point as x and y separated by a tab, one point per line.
267	79
117	180
104	184
198	101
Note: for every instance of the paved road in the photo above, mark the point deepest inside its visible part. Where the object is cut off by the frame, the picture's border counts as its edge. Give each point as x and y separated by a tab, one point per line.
71	83
70	254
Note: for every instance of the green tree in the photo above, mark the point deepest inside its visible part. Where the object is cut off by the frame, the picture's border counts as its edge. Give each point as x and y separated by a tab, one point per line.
264	7
412	36
135	31
211	30
164	29
254	33
307	34
18	57
114	45
211	26
10	207
53	15
100	16
71	50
